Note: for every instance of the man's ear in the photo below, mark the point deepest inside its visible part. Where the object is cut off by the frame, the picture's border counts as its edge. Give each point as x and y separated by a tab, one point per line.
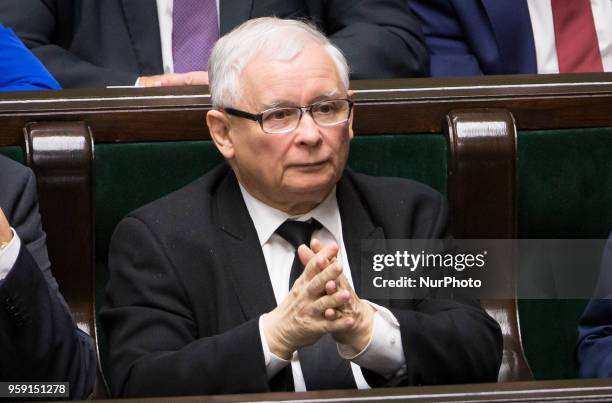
219	128
350	96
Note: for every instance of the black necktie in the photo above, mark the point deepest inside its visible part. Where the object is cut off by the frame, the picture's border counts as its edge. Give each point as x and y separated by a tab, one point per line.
297	233
322	366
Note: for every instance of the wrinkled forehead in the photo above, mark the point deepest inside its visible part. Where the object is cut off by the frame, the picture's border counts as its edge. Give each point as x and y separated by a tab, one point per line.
305	75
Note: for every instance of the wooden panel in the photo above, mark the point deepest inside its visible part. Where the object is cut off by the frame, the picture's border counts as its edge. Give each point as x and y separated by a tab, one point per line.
482	189
386	106
61	156
576	390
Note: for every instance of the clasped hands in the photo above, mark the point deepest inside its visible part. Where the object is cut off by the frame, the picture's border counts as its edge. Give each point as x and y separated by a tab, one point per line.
321	301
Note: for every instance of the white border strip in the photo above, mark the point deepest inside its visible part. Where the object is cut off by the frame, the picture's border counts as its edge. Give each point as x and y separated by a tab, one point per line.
480	87
369	91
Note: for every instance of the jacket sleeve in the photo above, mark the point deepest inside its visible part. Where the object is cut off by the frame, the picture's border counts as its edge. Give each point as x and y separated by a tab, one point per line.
380	39
39	340
446	340
155	347
37	23
595	325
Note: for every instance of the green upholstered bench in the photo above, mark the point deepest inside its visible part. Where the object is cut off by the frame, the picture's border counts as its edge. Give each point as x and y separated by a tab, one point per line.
562	173
565	191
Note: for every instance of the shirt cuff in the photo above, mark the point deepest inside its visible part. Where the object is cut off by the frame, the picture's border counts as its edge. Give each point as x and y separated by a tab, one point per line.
384	353
8	255
273	362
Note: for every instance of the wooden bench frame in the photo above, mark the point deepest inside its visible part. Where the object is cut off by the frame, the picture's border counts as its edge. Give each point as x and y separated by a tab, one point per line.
59	130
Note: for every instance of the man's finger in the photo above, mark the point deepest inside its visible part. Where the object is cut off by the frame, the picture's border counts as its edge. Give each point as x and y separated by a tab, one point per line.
314	264
331	301
315	245
331	287
342	324
317	285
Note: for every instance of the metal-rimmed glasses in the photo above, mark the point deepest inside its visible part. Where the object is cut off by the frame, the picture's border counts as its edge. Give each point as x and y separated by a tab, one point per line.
283	120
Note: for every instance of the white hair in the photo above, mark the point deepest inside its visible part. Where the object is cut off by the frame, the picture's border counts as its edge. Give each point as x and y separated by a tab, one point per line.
268	36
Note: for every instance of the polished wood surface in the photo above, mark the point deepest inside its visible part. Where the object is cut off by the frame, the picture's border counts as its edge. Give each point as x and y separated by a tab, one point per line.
415	105
61	154
483	155
575	390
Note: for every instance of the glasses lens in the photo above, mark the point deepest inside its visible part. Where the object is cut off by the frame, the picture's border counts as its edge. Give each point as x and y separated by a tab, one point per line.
327	113
280	120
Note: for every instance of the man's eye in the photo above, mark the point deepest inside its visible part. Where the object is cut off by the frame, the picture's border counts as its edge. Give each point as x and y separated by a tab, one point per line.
325	109
279	114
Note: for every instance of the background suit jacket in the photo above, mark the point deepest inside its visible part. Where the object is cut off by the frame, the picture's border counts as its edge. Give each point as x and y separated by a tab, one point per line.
595	325
93	43
473	37
188	282
38	338
19	68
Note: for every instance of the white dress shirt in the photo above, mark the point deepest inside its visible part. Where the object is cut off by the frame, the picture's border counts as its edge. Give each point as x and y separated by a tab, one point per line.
384	353
540	13
9	254
164	16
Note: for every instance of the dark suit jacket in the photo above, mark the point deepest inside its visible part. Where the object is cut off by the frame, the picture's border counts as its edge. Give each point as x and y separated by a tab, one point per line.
473	37
595	325
93	43
188	282
38	338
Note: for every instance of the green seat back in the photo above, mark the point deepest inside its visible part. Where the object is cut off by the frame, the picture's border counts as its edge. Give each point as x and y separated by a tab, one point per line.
565	191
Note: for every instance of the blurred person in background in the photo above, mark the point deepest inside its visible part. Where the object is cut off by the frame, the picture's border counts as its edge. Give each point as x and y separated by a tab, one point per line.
92	43
475	37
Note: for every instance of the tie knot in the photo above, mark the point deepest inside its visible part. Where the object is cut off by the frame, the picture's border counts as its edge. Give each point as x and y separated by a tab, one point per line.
298	232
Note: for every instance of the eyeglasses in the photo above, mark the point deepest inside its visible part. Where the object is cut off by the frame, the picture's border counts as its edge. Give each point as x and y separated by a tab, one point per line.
284	120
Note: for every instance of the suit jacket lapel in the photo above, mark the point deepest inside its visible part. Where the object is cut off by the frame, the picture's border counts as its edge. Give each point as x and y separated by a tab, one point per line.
512	27
357	226
243	260
233	13
143	26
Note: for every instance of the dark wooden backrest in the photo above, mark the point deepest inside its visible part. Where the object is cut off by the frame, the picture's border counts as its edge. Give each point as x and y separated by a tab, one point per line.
482	191
61	154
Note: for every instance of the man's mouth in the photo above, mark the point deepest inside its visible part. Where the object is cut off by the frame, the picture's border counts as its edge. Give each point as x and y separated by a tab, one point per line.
307	165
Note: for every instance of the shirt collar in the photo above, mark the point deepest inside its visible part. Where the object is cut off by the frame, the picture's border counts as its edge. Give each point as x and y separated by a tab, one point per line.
267	219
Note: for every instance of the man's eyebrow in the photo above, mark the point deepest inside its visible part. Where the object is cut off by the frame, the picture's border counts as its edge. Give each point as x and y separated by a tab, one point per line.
277	104
333	93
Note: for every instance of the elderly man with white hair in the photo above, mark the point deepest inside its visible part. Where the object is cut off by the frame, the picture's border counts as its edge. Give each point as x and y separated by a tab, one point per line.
248	279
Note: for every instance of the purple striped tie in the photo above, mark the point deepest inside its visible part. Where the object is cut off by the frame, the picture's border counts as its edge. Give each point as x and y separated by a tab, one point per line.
194	33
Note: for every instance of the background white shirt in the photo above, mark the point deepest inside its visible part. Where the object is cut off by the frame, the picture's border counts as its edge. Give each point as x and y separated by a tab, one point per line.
8	255
540	13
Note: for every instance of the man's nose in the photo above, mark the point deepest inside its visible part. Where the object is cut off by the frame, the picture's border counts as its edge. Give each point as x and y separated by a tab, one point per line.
308	132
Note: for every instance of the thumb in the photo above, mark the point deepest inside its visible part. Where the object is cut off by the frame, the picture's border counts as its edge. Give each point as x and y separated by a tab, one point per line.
305	254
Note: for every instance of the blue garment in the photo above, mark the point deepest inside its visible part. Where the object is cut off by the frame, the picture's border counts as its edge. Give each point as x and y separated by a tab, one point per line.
474	37
19	68
595	325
